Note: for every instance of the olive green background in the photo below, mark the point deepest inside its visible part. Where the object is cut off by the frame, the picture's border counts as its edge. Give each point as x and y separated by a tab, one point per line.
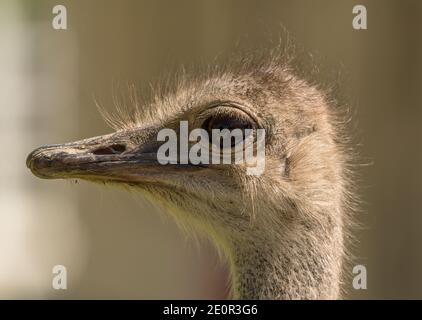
119	246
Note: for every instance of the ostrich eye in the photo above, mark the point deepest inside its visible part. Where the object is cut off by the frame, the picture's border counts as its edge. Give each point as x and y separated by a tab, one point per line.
221	122
230	122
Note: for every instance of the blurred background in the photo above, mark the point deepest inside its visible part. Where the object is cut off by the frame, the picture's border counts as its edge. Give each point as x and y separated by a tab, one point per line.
117	246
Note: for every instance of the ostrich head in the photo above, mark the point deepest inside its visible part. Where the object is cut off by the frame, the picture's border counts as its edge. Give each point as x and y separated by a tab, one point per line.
281	231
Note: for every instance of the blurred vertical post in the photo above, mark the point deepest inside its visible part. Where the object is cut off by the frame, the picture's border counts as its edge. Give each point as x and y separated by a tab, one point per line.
37	97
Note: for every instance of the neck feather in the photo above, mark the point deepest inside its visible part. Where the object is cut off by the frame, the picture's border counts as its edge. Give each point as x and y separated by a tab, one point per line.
301	263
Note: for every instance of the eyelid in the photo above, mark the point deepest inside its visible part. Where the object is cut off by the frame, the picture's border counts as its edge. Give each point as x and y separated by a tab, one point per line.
224	106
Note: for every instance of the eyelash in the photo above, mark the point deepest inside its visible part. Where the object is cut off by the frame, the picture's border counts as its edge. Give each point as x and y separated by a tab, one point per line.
226	110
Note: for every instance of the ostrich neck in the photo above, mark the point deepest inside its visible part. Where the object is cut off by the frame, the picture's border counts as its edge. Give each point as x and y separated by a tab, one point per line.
303	265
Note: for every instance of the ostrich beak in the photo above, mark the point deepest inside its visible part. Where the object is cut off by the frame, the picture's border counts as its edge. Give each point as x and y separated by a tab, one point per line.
111	157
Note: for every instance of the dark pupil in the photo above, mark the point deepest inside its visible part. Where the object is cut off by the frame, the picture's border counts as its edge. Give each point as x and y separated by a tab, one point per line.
225	122
229	123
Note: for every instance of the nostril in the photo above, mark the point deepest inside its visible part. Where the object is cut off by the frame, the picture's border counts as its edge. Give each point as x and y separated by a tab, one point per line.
113	149
118	148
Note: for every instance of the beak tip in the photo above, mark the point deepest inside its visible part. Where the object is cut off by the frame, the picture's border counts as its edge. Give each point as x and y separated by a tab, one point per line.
29	160
37	161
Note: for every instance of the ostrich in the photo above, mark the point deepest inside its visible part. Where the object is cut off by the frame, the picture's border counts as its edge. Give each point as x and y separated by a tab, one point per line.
281	232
